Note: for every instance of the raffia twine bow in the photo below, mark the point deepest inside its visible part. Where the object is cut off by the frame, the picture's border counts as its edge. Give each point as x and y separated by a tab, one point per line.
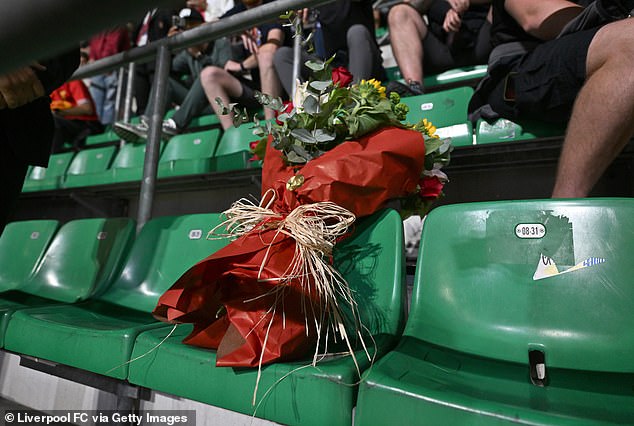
315	228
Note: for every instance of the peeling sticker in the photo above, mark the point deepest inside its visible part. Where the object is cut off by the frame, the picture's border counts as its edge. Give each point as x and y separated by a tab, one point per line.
547	268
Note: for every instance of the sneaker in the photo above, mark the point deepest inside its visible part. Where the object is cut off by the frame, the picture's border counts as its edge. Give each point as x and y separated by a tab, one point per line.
132	133
413	88
169	129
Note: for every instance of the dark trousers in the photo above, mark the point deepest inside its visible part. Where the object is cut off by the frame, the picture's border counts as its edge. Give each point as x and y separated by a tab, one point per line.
74	132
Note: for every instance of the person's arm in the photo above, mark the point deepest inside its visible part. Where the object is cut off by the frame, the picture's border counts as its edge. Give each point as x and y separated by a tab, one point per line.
543	19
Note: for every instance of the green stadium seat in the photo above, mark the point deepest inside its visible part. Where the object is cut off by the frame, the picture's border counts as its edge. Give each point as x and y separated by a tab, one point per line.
205	121
521	314
98	335
460	134
81	261
44	178
456	76
443	109
503	130
372	262
105	137
188	153
128	163
234	152
22	246
88	167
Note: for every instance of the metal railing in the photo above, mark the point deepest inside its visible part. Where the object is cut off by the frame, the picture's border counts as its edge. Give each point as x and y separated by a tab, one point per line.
160	51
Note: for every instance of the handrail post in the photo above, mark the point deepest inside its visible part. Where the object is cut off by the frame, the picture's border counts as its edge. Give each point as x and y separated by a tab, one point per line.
297	53
118	96
129	90
152	150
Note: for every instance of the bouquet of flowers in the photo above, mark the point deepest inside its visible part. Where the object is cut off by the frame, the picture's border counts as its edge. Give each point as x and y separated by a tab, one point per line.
338	152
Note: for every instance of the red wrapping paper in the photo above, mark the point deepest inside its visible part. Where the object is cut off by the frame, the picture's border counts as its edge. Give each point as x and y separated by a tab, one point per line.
222	296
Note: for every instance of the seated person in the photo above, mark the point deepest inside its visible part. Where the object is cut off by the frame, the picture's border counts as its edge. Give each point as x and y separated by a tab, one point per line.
230	83
74	115
558	61
184	86
458	34
348	32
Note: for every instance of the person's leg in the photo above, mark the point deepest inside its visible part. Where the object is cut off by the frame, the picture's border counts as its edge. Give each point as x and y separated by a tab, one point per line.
218	83
192	105
97	91
283	61
363	54
407	32
601	123
111	80
270	83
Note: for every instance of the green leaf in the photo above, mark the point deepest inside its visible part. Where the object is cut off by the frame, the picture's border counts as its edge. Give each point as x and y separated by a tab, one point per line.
315	65
293	158
320	85
322	135
303	135
311	104
432	145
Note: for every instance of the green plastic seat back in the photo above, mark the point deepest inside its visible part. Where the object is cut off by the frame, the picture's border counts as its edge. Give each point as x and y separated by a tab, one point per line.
22	246
105	137
165	248
500	279
91	161
443	109
129	156
82	260
191	146
373	263
236	139
205	120
57	165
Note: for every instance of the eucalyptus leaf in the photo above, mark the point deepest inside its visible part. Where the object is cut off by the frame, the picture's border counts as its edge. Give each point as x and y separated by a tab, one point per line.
315	65
322	135
293	158
320	85
311	104
303	135
432	145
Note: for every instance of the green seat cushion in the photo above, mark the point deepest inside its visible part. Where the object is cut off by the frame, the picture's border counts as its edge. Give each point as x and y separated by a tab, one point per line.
460	134
12	301
293	393
503	130
205	120
105	137
456	76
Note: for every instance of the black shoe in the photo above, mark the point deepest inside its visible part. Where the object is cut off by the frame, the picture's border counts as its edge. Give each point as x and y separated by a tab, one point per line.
132	133
413	88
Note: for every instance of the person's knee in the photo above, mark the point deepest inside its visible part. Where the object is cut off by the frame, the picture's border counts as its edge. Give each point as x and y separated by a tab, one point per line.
266	55
401	12
357	34
211	74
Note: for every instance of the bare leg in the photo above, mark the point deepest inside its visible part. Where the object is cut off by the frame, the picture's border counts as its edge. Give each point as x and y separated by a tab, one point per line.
218	83
407	32
268	77
602	117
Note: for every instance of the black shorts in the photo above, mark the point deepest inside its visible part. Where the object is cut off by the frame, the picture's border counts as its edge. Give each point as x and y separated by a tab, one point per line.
544	83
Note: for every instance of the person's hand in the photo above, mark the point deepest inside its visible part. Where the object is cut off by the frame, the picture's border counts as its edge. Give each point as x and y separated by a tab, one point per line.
173	31
20	87
452	22
459	6
249	43
233	66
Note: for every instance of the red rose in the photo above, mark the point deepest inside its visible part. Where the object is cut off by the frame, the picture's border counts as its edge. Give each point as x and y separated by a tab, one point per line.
341	77
430	187
288	107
